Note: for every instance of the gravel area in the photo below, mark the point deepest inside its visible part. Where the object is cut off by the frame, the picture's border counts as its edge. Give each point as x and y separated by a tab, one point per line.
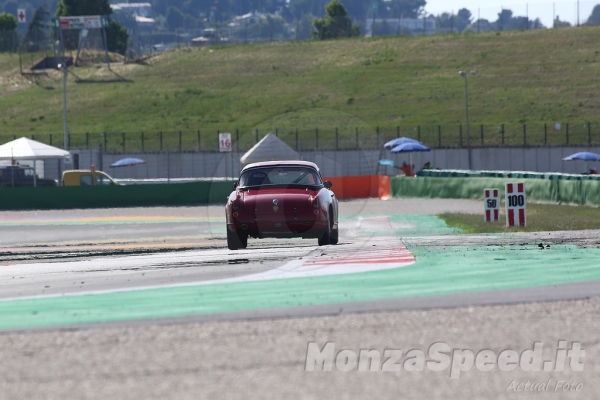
266	359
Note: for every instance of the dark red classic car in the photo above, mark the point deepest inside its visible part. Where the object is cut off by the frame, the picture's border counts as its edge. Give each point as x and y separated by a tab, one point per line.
281	199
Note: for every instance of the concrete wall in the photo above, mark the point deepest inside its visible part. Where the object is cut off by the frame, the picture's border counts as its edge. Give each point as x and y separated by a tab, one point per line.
335	163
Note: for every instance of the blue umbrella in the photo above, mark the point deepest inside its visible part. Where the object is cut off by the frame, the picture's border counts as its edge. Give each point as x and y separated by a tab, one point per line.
396	142
584	156
126	162
409	147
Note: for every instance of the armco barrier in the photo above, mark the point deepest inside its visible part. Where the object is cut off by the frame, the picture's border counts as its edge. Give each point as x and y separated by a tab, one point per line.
196	193
181	194
545	190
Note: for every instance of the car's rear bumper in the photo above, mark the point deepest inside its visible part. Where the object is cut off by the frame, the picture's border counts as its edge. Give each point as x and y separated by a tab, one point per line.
280	229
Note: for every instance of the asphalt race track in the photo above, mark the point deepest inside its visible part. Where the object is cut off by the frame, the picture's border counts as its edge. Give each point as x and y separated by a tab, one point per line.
153	279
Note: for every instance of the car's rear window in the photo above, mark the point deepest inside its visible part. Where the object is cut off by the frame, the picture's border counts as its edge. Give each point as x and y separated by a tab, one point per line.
280	176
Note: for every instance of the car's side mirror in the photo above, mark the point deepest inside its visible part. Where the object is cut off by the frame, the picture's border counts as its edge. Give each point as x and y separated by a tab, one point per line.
234	185
327	184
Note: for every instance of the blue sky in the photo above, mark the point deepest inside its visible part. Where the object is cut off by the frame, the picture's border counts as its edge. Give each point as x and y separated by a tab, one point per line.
566	10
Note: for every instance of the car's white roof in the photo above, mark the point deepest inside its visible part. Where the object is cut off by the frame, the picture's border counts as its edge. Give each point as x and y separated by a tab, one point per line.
286	163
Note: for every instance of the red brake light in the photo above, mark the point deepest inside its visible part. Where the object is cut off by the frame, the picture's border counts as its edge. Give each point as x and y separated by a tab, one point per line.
315	202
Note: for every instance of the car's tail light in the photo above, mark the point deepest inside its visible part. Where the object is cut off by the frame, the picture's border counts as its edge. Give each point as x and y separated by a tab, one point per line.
235	206
315	202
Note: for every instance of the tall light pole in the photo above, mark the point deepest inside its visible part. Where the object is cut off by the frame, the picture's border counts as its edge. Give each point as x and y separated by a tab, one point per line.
63	66
466	75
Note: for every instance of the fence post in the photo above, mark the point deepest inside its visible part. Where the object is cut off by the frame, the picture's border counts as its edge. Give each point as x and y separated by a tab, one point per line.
50	139
199	142
161	144
439	136
502	134
567	133
317	136
336	139
87	140
397	131
524	134
377	137
419	133
143	142
257	136
356	130
180	142
237	139
276	132
460	134
297	148
589	134
482	134
545	134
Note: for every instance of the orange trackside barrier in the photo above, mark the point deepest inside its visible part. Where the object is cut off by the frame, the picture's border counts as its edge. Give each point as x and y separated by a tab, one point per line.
360	187
384	189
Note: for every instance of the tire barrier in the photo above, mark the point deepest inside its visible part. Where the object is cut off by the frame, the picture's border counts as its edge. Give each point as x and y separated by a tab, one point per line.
543	190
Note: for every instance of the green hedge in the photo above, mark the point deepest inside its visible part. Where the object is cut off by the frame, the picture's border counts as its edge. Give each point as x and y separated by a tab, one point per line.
180	194
545	190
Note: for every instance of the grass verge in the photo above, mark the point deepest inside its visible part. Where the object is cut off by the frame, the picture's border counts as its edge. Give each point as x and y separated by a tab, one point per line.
540	217
533	77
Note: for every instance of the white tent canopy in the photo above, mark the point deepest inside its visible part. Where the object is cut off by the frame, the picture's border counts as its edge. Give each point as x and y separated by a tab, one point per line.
24	148
270	148
27	149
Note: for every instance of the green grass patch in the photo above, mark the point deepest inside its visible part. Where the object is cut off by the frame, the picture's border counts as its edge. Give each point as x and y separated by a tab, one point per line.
540	217
532	77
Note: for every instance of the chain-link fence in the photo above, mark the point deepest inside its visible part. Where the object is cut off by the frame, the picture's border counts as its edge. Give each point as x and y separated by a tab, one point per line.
327	138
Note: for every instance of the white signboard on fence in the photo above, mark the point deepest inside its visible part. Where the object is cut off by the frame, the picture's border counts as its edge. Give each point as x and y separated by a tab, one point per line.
22	16
491	204
515	204
83	22
224	142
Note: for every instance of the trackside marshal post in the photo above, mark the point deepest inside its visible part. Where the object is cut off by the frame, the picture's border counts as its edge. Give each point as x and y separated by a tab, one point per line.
515	204
491	204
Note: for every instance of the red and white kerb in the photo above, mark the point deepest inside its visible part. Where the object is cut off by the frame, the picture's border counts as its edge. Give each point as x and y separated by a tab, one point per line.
491	204
515	204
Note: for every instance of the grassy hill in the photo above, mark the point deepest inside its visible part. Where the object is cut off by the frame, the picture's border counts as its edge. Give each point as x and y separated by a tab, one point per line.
531	77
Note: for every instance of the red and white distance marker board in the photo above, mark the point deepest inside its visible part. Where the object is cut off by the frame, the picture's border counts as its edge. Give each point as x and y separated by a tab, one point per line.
224	142
22	16
491	204
515	204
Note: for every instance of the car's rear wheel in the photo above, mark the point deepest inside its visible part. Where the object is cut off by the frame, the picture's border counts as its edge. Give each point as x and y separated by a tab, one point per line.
335	234
236	241
325	238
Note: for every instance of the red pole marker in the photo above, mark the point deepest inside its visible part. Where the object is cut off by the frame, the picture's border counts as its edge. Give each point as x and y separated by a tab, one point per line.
491	204
515	204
